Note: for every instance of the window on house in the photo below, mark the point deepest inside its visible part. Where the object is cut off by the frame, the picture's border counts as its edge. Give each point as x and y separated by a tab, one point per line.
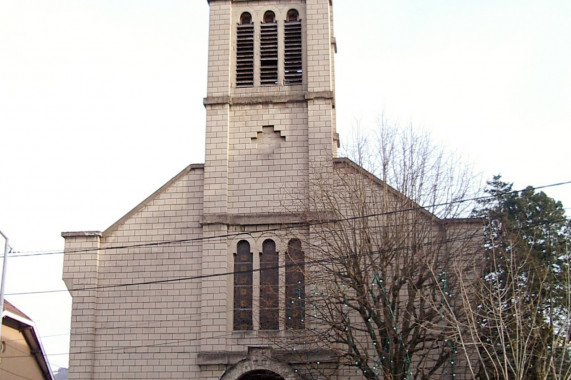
269	287
243	287
245	51
269	49
295	285
293	70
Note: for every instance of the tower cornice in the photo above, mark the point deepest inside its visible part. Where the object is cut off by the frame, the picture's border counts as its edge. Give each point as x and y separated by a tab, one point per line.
250	100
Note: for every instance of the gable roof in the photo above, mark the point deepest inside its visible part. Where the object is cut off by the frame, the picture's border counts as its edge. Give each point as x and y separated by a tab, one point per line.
342	162
15	318
14	310
151	197
348	163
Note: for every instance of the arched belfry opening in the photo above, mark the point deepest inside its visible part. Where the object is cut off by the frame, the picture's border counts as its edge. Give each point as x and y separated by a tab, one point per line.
261	375
269	17
292	15
245	18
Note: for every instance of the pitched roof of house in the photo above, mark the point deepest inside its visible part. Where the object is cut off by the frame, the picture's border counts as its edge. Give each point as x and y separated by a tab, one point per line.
14	310
15	318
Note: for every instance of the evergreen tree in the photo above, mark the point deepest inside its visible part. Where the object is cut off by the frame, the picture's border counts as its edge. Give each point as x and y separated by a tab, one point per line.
524	312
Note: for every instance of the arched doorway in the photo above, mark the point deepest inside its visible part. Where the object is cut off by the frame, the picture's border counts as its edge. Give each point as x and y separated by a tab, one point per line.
261	375
259	365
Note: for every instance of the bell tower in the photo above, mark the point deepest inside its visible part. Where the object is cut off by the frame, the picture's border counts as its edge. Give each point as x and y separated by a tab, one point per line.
270	126
270	104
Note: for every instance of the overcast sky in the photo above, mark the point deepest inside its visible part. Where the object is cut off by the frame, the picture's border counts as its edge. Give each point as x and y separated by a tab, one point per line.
101	104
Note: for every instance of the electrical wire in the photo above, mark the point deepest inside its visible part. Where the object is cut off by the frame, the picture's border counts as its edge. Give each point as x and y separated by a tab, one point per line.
15	374
126	348
286	227
238	272
175	342
223	274
185	317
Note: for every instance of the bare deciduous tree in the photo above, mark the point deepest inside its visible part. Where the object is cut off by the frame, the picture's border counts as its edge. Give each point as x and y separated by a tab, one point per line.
380	244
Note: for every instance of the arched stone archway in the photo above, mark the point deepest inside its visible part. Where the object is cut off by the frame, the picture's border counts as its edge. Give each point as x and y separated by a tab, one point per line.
261	375
259	365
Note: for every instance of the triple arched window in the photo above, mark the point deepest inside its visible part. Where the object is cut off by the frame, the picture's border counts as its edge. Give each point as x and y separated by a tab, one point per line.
269	311
267	64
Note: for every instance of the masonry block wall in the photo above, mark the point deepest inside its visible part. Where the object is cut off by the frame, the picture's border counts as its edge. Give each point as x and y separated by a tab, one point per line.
80	272
216	176
262	139
268	158
219	48
153	294
137	308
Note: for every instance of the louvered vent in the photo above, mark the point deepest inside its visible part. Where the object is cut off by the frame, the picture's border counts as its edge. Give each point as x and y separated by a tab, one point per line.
293	52
245	56
269	53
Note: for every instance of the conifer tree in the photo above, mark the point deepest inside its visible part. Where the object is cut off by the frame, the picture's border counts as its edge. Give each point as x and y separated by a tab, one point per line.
522	314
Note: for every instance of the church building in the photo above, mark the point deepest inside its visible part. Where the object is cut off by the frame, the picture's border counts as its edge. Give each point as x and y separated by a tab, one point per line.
196	280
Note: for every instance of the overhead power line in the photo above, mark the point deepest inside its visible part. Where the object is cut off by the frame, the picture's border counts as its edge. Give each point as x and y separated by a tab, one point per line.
223	274
199	277
177	342
289	226
307	263
125	349
174	342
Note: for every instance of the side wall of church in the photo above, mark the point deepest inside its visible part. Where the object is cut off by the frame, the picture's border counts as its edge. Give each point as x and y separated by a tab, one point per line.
140	317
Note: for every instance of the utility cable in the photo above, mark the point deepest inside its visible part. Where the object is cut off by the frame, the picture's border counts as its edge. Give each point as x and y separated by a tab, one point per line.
289	226
175	341
223	274
167	342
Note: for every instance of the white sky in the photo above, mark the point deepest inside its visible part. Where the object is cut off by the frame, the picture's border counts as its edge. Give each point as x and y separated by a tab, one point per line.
101	104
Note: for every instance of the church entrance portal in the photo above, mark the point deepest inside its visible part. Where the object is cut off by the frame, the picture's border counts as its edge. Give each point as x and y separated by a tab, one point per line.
259	365
261	375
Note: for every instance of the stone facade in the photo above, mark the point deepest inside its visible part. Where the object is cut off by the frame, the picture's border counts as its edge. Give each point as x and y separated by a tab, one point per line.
175	320
153	295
